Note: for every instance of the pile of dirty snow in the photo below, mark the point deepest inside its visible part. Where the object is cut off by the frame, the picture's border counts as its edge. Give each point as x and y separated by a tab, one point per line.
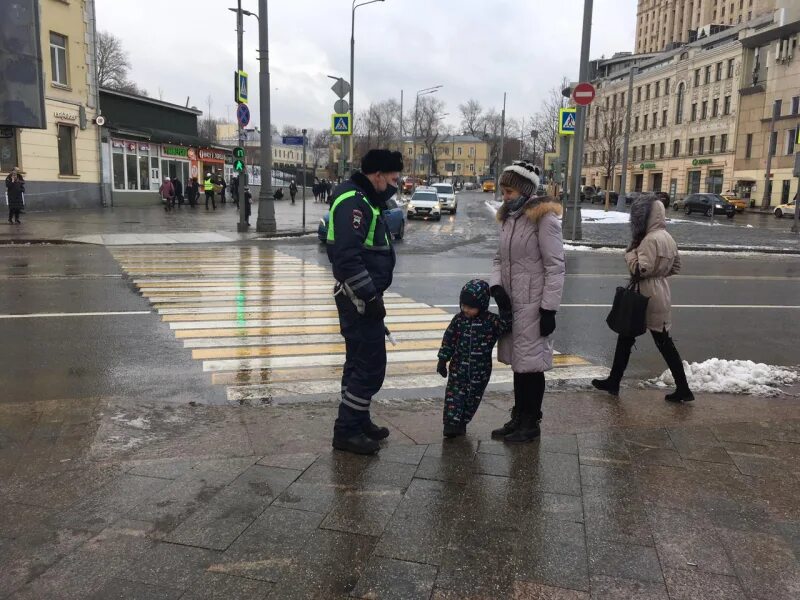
716	375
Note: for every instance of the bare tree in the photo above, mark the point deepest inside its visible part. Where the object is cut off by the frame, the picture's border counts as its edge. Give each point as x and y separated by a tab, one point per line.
471	117
291	130
379	128
607	134
113	65
429	126
546	120
207	127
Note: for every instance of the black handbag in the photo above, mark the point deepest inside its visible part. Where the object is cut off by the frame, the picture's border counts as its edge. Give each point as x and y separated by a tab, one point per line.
628	316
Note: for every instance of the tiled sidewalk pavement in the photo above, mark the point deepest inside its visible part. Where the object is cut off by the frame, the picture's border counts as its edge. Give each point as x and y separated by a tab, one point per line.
620	499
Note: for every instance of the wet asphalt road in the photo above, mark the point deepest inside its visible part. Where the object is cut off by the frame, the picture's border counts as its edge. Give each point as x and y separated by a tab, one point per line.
136	356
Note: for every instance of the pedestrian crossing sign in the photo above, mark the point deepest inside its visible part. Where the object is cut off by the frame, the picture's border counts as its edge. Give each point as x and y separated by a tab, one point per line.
566	121
341	124
241	87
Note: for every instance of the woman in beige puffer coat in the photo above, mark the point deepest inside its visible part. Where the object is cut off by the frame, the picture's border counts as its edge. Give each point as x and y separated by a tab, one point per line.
652	256
529	270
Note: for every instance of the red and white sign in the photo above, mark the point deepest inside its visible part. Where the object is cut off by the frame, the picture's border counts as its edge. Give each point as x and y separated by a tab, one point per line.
583	94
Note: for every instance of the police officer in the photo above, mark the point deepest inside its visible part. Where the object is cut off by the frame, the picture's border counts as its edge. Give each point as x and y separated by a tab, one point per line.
363	260
208	187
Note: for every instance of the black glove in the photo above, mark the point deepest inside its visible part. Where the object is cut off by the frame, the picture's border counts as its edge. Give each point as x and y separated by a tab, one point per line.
547	321
441	368
501	297
374	308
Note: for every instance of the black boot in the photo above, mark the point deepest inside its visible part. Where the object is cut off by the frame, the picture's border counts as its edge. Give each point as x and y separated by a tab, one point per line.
672	357
357	443
509	427
622	355
373	432
527	430
452	430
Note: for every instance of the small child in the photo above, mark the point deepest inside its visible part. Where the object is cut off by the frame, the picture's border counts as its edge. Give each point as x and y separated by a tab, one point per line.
467	345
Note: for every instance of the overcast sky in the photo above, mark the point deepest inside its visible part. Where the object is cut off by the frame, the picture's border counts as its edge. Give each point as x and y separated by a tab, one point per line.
474	48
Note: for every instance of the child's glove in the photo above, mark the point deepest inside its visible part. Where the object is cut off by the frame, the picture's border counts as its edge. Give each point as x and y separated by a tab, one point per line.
547	321
441	368
501	297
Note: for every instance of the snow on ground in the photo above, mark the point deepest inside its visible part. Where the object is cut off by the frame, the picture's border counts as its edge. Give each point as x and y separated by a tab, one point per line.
589	215
718	376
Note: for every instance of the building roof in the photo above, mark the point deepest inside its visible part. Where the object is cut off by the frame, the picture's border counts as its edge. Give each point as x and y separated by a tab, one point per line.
147	100
448	139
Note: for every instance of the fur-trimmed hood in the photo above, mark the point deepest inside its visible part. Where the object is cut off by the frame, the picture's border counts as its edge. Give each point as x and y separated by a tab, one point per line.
534	208
647	214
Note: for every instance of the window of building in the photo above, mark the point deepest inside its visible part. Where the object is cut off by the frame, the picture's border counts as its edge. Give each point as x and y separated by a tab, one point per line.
704	110
666	86
58	58
701	146
773	143
647	92
693	182
694	112
676	148
749	15
714	181
644	123
664	118
472	151
707	78
644	149
712	143
652	151
622	99
594	158
723	10
607	101
658	89
796	105
458	151
636	123
690	149
723	142
726	105
748	148
715	107
718	75
66	150
634	153
730	68
603	158
8	149
655	120
679	106
696	77
777	107
639	94
618	154
791	135
662	148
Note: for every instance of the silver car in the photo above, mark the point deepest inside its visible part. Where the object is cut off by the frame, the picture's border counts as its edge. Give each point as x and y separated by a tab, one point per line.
447	197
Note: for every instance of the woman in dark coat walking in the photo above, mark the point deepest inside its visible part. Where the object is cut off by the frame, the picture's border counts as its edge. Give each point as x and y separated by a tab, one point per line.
15	188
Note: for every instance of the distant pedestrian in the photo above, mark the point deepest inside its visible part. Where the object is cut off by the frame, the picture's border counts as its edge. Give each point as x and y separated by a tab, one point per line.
278	194
223	186
293	190
328	190
467	345
529	266
248	202
15	195
652	256
177	185
167	193
208	188
192	191
235	190
316	189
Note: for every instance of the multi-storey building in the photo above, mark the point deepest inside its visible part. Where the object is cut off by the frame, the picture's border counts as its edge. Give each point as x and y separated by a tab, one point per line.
61	162
683	119
663	24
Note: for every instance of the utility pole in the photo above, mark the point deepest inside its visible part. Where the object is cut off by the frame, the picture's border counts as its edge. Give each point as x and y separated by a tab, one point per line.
305	178
767	197
626	141
580	117
242	177
502	143
266	204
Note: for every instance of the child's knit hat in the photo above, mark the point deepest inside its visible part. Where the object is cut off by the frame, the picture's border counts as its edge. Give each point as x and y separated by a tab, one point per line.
475	294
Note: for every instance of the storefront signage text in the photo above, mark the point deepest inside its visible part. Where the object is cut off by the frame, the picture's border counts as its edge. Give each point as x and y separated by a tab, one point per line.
217	155
647	166
174	151
60	114
701	161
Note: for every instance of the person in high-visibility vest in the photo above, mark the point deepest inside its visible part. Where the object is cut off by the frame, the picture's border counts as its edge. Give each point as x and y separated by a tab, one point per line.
208	187
363	260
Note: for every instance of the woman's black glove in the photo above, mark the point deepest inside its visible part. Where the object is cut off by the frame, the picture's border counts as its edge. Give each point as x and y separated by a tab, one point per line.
547	322
374	309
441	368
501	297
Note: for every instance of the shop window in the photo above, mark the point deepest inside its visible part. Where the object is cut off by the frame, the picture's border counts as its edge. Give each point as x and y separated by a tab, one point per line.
693	182
131	165
66	150
748	148
8	149
714	181
58	59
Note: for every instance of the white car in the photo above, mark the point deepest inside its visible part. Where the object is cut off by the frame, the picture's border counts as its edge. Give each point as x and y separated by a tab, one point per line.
447	197
424	204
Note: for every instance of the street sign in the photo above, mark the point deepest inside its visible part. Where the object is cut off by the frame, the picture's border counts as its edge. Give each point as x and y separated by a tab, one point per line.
243	114
341	88
341	124
293	140
240	87
341	106
566	121
238	165
583	94
238	152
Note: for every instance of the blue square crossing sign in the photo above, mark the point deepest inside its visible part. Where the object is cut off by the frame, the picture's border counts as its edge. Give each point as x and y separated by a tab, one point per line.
566	121
341	124
241	87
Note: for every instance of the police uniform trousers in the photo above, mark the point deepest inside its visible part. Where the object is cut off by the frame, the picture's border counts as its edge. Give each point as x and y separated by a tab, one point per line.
364	366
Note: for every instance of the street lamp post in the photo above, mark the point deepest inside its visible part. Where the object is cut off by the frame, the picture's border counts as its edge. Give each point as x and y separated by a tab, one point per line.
266	205
242	177
534	135
352	63
422	92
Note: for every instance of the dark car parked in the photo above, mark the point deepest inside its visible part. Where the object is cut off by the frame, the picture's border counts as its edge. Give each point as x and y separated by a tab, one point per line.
706	203
599	196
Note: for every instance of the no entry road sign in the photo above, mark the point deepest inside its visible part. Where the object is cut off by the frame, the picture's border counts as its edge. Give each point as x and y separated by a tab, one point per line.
583	94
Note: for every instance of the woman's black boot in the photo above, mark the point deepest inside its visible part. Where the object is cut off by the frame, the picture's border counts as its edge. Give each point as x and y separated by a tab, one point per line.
527	430
509	427
622	355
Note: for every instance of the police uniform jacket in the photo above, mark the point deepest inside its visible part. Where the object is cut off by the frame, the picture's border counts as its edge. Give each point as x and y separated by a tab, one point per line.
362	261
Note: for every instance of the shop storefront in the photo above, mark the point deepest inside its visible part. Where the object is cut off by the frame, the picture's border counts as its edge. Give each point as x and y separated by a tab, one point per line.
211	160
175	162
134	166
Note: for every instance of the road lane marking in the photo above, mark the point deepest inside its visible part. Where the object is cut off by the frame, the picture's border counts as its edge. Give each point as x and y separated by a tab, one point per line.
302	314
442	317
302	349
290	330
322	338
269	307
118	313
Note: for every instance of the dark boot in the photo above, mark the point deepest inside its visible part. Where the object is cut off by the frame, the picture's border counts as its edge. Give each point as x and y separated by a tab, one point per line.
452	430
357	444
373	432
527	430
509	427
622	355
671	356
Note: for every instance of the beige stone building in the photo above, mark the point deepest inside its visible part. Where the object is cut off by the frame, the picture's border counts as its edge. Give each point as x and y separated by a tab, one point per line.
463	156
61	163
683	120
662	24
770	82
